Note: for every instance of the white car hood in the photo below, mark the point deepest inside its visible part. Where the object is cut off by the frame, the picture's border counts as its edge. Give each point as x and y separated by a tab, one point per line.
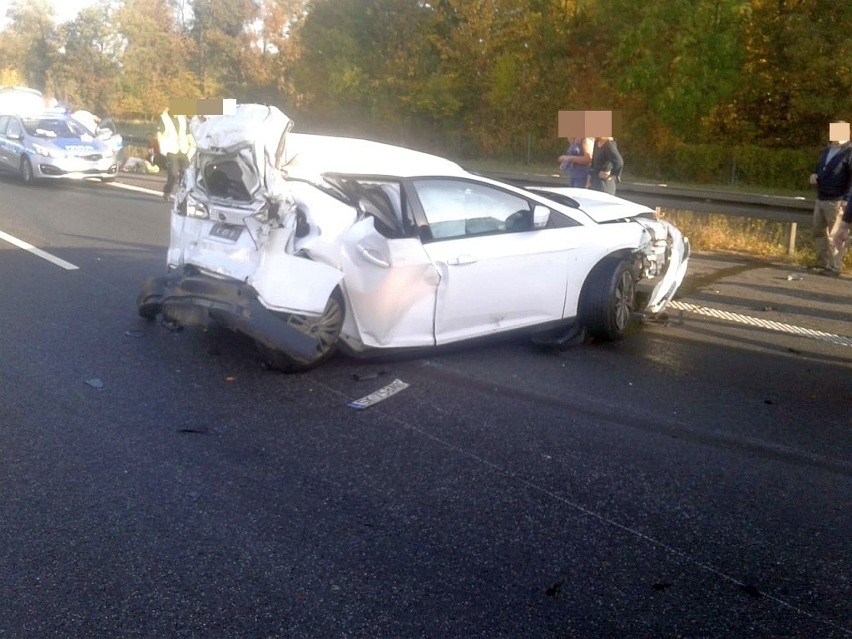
601	207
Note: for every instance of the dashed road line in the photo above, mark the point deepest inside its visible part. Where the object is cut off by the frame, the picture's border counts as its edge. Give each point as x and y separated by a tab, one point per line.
762	323
138	189
11	239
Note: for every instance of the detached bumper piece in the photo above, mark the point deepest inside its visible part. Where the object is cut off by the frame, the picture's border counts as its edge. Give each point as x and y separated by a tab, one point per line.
189	298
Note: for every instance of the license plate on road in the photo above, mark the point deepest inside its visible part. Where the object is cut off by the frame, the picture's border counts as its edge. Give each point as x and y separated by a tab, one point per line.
226	232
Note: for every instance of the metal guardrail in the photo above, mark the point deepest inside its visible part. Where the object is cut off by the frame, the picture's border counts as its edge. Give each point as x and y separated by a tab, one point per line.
767	207
788	210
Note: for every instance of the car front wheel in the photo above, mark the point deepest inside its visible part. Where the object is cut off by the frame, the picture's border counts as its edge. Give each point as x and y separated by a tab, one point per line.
609	299
27	175
325	329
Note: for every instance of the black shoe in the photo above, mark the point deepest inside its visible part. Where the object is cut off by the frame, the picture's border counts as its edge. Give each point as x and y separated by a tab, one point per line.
829	272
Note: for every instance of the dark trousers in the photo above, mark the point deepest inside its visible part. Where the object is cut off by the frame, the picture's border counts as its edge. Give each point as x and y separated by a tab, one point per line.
176	164
607	186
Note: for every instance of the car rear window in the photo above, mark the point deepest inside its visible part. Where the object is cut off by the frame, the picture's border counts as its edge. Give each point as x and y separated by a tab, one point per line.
231	177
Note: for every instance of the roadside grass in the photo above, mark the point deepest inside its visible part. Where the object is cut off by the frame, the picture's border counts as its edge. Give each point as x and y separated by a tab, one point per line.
761	238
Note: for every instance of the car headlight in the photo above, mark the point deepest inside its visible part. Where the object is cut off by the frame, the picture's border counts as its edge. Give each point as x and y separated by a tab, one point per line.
196	209
47	151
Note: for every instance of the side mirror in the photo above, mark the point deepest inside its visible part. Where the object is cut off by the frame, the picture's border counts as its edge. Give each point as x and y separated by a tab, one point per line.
541	216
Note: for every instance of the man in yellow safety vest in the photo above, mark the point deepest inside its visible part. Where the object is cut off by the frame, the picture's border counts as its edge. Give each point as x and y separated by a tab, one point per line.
177	145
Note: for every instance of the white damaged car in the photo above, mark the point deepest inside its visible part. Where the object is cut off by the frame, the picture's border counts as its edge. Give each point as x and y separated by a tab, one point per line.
306	243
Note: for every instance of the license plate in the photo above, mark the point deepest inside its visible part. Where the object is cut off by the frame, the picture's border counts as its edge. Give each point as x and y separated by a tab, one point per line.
226	232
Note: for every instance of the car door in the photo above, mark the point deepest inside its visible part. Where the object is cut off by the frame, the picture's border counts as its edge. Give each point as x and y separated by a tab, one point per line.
497	272
390	280
13	144
4	143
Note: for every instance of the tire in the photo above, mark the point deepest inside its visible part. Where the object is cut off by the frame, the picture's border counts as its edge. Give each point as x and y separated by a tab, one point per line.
148	311
27	174
609	299
325	328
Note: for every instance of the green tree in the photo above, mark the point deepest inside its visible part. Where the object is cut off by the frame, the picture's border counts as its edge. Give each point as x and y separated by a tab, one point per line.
31	42
85	74
154	60
267	63
223	34
677	62
796	76
369	60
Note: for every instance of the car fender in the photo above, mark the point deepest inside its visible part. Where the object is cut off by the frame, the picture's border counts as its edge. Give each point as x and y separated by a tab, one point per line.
293	284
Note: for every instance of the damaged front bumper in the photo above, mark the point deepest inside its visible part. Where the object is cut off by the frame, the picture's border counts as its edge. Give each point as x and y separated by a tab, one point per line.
188	297
672	250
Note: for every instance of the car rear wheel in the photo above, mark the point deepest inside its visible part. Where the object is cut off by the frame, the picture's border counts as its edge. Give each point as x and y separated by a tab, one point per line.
325	329
27	175
609	299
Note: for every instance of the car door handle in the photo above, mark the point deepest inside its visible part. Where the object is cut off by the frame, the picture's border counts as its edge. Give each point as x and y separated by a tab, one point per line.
373	257
461	260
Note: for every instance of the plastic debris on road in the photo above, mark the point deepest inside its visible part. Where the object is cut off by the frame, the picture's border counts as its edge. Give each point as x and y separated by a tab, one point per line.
383	393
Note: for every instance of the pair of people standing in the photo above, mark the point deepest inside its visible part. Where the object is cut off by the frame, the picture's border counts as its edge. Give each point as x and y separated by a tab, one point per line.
593	163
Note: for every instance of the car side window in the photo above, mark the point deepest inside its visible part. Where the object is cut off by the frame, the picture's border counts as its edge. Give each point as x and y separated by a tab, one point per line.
459	208
4	122
14	128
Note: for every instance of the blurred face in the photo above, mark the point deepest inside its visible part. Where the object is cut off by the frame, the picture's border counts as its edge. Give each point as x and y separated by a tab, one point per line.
838	132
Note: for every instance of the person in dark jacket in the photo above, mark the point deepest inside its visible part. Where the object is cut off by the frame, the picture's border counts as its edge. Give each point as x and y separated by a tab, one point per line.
605	168
833	180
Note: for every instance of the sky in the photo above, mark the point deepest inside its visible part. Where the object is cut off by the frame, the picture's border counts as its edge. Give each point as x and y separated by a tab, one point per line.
63	9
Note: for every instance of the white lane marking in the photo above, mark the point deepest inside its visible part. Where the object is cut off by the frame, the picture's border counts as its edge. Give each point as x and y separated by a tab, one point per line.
68	266
11	239
138	189
762	323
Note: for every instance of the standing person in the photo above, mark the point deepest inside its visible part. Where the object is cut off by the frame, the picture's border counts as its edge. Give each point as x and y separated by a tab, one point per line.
841	233
575	162
605	168
833	179
175	144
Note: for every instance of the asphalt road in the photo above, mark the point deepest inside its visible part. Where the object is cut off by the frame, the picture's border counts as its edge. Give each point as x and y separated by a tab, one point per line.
691	481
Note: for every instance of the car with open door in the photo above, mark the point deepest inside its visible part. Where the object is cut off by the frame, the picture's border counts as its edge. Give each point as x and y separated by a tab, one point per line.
307	243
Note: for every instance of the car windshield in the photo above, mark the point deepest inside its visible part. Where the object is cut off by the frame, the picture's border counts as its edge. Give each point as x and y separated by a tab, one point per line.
53	128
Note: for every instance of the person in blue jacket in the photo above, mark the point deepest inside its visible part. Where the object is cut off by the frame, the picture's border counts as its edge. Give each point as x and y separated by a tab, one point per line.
575	162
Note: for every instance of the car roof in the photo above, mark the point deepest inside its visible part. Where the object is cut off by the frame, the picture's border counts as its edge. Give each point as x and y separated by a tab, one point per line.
309	155
20	100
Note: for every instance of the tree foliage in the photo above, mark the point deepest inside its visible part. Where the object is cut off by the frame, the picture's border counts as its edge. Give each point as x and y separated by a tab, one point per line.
475	76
